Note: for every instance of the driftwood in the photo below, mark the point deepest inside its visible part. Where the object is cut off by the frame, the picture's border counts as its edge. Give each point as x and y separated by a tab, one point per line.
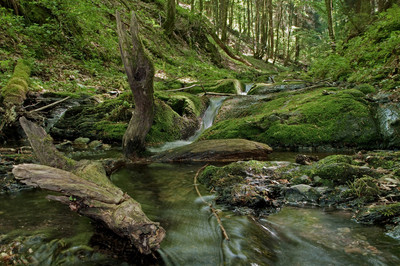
87	190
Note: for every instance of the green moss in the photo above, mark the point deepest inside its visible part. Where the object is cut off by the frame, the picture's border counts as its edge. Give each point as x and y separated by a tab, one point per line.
165	124
183	103
110	131
17	87
306	119
232	86
366	88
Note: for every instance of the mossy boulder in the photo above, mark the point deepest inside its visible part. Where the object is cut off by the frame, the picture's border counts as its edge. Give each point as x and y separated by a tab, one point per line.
231	86
226	150
234	187
291	120
268	88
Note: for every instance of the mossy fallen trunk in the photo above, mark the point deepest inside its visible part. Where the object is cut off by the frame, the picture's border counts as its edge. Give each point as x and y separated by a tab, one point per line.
14	93
87	190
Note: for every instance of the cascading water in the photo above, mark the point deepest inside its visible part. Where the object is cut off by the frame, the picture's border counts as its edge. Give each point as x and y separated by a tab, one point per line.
207	121
247	88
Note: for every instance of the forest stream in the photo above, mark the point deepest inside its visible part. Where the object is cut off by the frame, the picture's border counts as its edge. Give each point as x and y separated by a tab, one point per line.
294	236
52	234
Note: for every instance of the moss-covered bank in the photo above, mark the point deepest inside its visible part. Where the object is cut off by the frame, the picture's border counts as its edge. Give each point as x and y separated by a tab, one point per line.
176	117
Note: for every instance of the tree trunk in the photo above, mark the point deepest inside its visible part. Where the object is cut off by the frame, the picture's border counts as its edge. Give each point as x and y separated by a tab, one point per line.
169	25
140	72
87	190
271	28
328	4
224	4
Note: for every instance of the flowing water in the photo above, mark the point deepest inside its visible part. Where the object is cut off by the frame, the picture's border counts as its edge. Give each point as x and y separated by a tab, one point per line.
247	88
294	236
207	121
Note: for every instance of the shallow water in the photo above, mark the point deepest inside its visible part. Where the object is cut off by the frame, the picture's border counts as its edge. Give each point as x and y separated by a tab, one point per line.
294	236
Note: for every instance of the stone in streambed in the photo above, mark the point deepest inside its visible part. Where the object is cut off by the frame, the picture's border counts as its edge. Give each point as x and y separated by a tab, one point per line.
223	150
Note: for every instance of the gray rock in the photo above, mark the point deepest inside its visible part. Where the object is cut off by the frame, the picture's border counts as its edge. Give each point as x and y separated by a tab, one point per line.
388	115
302	188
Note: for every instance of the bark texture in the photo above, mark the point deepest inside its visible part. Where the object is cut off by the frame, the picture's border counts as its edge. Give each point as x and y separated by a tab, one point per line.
87	190
140	72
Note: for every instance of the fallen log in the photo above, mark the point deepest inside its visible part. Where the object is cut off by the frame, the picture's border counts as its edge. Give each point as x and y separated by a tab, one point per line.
86	189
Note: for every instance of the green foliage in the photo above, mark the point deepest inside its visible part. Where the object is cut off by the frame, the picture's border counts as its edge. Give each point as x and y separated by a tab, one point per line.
334	66
370	57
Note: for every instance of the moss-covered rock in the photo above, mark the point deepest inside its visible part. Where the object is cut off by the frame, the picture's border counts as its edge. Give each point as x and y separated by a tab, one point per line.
311	118
176	117
232	86
268	88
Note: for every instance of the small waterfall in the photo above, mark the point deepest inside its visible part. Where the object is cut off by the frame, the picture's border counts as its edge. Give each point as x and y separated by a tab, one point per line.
207	121
247	88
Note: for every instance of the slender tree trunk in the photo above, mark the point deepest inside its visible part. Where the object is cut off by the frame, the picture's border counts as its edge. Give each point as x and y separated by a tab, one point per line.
248	19
224	4
297	38
140	72
271	28
328	4
277	33
169	25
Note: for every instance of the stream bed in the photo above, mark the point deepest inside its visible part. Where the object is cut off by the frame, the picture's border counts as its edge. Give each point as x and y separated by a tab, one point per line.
294	236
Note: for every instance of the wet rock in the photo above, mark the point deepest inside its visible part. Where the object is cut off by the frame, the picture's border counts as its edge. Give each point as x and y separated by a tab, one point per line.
388	115
301	193
395	232
224	150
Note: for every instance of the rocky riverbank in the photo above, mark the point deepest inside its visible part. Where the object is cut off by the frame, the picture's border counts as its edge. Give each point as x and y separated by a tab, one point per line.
366	183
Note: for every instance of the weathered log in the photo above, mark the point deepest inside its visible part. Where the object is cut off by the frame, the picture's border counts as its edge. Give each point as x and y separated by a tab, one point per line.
87	190
43	146
140	72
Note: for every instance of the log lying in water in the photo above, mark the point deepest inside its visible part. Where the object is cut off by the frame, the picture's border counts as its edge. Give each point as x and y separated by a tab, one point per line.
88	191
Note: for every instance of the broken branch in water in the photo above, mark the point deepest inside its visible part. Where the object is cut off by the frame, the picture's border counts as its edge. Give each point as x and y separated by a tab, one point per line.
213	210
